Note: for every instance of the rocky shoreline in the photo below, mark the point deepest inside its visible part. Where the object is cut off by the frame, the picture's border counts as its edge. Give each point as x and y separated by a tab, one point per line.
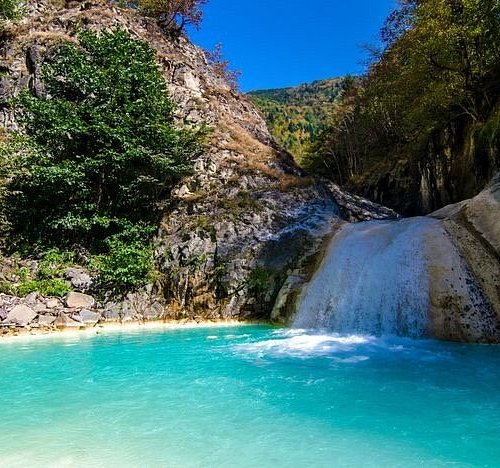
112	327
75	311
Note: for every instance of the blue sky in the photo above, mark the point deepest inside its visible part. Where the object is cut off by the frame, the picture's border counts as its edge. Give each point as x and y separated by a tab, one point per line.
277	43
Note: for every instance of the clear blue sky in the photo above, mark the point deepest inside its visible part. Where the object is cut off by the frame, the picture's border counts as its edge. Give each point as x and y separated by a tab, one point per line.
277	43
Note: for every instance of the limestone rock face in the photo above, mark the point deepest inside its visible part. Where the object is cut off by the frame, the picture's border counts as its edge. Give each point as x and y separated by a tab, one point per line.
75	300
21	315
474	226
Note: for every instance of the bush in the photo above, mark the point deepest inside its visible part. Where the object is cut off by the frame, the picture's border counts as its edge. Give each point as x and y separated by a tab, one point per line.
173	15
47	278
53	264
126	265
10	10
47	287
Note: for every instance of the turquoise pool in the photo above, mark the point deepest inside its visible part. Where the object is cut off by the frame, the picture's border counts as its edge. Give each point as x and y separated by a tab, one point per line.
247	396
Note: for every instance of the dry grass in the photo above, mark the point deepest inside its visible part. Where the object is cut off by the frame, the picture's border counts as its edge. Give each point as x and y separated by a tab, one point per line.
290	182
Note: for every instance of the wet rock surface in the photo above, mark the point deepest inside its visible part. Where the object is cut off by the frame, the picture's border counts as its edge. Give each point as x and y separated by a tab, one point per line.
474	227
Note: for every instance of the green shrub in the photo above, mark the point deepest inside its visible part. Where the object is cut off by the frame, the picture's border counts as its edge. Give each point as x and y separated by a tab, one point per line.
106	153
128	264
6	287
102	155
47	279
259	280
10	10
47	287
52	264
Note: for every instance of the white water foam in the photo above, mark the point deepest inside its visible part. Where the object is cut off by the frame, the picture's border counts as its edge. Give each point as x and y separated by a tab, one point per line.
303	344
373	280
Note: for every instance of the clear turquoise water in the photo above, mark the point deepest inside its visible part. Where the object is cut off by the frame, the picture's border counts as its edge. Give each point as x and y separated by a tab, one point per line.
247	397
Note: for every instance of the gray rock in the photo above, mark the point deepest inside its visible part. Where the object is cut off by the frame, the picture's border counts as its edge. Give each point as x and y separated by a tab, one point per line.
63	321
87	317
75	300
21	315
52	303
39	307
46	320
32	299
79	278
32	59
154	312
112	312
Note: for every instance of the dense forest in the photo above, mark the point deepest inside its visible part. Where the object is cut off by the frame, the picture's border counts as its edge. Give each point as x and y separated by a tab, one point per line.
295	115
421	128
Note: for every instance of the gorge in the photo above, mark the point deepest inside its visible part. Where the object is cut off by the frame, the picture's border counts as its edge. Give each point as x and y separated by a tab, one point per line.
177	289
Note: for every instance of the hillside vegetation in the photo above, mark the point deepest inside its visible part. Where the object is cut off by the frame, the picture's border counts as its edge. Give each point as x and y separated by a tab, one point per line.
295	115
96	157
421	129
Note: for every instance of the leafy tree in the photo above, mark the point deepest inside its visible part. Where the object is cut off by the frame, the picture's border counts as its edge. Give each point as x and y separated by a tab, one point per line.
222	67
440	64
104	150
296	115
174	14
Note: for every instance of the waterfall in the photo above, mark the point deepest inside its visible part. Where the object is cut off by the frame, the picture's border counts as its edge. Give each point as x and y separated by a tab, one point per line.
380	277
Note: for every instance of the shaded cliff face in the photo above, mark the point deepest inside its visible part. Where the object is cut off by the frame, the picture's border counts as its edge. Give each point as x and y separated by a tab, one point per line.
456	164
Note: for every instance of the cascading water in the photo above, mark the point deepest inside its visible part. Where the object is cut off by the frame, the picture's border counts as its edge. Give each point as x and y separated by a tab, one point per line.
384	278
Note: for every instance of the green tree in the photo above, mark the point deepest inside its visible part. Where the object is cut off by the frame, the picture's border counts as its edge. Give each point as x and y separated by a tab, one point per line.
174	14
105	152
440	63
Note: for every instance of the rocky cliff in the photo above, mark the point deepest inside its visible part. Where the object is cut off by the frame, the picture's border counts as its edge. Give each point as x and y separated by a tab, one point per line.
474	227
238	226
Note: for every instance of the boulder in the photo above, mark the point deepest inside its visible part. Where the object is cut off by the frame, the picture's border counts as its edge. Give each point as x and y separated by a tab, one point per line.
39	307
52	303
87	317
79	278
75	300
113	312
46	320
31	299
21	315
63	321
